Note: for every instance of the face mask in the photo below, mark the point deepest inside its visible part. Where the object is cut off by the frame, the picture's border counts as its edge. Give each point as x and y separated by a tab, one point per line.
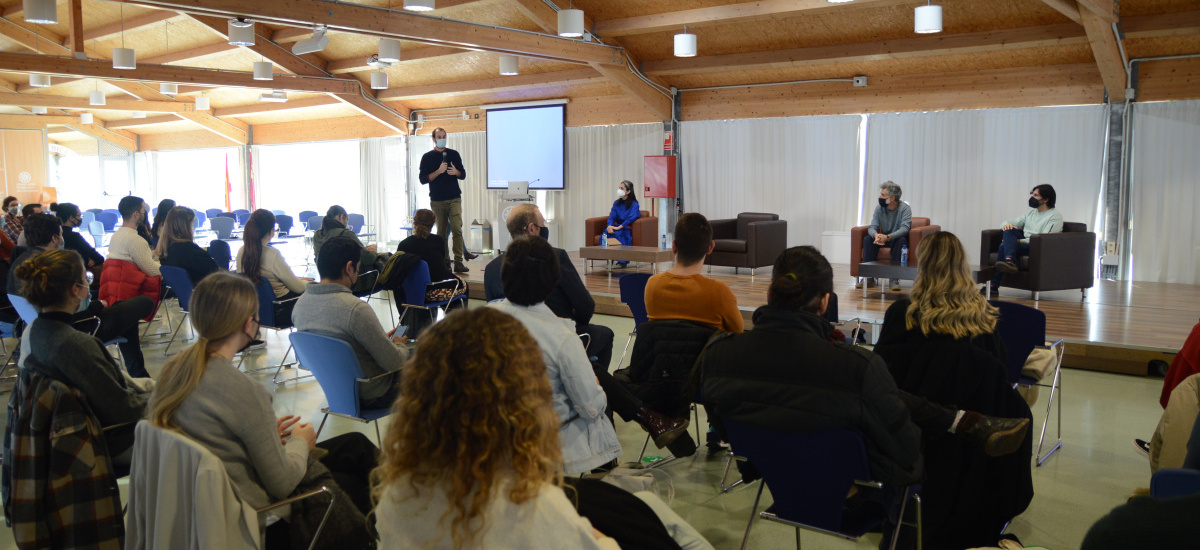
544	232
441	143
61	244
13	210
253	339
1034	203
883	203
84	303
620	193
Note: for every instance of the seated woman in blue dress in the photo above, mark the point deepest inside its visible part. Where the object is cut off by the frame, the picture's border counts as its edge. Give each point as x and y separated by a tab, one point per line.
625	211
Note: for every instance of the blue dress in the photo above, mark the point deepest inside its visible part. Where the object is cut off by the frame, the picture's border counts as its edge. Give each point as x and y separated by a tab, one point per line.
623	216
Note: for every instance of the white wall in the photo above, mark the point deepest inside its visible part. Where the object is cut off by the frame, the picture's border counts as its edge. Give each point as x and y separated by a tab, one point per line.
1165	188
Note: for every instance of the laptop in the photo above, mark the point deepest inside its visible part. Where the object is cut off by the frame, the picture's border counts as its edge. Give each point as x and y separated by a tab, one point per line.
517	190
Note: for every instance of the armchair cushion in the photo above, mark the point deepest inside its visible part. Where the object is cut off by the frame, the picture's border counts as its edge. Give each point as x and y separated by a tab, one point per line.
729	245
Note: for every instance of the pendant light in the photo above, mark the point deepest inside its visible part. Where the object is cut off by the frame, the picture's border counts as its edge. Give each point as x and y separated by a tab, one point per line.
379	80
42	12
240	32
96	97
139	114
685	44
86	118
264	70
202	103
168	88
418	5
928	19
389	48
40	110
123	58
38	80
508	65
570	22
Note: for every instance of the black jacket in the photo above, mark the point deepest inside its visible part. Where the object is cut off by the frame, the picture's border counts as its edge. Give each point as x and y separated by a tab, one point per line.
661	366
570	299
786	375
968	496
79	243
189	257
433	250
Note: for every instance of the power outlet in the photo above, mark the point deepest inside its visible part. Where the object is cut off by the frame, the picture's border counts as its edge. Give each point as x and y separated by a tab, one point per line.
1110	248
860	81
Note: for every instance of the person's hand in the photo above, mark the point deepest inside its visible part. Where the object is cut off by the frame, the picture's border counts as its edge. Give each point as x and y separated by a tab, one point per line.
103	303
452	170
400	340
442	169
879	238
373	248
284	424
609	229
306	432
1008	226
309	279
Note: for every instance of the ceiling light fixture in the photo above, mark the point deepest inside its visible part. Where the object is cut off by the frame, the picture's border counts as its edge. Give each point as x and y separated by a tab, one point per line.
202	103
40	110
168	88
240	32
377	63
317	42
685	44
42	12
570	22
508	65
273	97
418	5
86	118
928	19
123	58
379	81
389	50
139	114
264	70
39	80
96	97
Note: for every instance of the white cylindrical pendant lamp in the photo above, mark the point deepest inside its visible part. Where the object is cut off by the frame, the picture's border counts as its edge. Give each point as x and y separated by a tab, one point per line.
39	80
96	97
264	70
389	50
508	65
685	45
241	32
168	88
416	5
42	12
570	23
379	81
40	110
86	118
928	19
139	114
124	58
202	103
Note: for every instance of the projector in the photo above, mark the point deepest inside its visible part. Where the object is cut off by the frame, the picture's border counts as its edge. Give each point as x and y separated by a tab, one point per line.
374	61
317	42
274	97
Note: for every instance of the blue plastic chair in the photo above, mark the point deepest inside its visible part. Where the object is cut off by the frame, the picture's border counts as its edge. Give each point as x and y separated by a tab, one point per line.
1022	329
229	215
87	217
94	211
278	213
414	292
267	319
810	476
1174	482
212	212
355	223
314	223
179	281
242	218
113	211
96	230
222	226
333	363
285	223
304	216
108	220
219	250
633	294
201	217
28	313
240	211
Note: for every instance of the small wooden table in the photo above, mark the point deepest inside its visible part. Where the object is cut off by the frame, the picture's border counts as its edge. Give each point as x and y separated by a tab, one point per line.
641	254
908	272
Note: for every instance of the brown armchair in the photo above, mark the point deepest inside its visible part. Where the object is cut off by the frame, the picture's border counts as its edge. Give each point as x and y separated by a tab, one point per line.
751	240
919	229
644	229
1056	261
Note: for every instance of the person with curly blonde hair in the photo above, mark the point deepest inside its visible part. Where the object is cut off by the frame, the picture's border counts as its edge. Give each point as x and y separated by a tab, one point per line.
471	457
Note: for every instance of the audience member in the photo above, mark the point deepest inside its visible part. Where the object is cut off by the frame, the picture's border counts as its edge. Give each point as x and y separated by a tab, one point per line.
160	216
682	292
26	212
1147	522
1171	443
1042	217
889	227
329	308
444	284
471	458
119	319
176	247
129	246
625	211
12	218
529	275
941	345
1185	364
54	283
258	259
335	225
570	299
71	217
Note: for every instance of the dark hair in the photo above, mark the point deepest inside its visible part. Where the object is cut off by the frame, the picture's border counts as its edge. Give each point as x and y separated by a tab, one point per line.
260	223
333	212
9	199
529	272
40	229
28	209
423	221
65	212
630	197
129	205
335	254
160	216
47	277
800	279
693	235
1047	192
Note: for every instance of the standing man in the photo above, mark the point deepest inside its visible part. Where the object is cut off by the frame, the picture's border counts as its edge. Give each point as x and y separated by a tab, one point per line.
442	168
889	227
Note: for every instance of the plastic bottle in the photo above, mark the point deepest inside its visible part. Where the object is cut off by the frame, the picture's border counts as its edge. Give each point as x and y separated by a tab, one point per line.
904	255
664	241
604	240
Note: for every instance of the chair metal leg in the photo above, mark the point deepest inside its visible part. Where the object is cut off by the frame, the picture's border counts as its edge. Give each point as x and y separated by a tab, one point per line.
626	350
322	426
899	520
378	438
1055	388
797	538
1036	295
176	333
728	462
753	512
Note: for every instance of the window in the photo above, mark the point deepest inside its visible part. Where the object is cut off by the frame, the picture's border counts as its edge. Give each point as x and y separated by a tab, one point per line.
309	176
196	178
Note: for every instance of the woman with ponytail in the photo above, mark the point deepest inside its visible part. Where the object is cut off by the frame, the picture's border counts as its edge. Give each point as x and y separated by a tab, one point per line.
201	394
55	284
258	259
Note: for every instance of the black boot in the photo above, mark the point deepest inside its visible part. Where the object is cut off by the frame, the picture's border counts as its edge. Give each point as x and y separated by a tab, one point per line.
663	429
996	436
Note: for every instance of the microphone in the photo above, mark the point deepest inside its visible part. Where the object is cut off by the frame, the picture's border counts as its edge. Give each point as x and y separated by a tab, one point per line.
443	156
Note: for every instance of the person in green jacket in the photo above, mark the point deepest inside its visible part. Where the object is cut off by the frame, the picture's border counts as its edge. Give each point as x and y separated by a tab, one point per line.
335	225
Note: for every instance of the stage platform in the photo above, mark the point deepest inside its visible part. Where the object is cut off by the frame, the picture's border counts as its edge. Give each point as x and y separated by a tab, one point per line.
1119	327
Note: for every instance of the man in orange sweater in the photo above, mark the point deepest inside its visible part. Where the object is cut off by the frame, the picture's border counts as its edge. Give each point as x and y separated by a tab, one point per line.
682	292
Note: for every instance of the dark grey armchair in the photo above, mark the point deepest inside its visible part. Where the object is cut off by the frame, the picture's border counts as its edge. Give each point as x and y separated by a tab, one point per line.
1056	261
753	239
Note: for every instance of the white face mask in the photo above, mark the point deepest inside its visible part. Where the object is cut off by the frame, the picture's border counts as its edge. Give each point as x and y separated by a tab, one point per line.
620	193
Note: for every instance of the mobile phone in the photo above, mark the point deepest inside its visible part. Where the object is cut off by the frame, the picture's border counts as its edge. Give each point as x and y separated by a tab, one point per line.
400	330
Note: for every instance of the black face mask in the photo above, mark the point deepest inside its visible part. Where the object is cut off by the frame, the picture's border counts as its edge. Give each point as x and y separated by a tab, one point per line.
1034	203
883	203
253	339
544	232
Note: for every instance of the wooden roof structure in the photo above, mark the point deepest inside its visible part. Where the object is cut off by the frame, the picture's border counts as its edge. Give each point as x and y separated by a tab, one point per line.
756	58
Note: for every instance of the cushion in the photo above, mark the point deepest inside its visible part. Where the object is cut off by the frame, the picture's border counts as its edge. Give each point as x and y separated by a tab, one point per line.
729	245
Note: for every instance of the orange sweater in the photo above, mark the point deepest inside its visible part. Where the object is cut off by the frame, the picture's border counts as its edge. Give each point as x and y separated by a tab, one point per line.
693	298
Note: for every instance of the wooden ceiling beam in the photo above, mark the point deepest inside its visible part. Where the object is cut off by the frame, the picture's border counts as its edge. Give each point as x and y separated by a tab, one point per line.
584	75
263	108
1103	41
76	37
280	56
44	41
120	138
374	21
34	122
1106	10
113	30
232	130
1069	8
189	54
17	10
359	64
80	103
723	15
148	121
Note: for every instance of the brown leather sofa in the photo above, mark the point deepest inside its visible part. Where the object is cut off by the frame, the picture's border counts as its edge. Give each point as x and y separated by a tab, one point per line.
644	229
1056	261
753	239
919	229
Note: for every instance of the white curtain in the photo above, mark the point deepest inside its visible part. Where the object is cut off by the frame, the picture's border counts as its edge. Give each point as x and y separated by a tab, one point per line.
1165	190
971	170
803	168
381	169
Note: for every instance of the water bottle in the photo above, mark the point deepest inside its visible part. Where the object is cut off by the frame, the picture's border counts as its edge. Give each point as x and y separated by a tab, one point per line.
904	255
664	242
604	240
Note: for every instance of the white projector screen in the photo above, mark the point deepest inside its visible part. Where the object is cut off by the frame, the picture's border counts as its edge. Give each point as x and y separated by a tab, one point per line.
526	144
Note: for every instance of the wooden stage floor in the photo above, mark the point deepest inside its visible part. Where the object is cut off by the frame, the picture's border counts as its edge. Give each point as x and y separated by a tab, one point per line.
1137	316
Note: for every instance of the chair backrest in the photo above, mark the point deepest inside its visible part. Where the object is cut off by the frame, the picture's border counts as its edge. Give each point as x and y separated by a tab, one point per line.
305	215
809	474
201	217
219	250
223	226
1021	328
1074	227
94	211
746	218
333	363
414	284
212	212
266	305
285	223
241	211
229	215
96	229
113	211
88	218
314	223
919	222
1174	482
279	213
633	293
242	217
108	219
23	307
355	222
180	282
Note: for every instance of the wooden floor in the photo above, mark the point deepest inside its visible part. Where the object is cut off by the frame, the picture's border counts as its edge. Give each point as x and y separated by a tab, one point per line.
1139	316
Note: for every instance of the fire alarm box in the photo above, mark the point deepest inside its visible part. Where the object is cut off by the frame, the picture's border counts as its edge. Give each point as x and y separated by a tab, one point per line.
659	177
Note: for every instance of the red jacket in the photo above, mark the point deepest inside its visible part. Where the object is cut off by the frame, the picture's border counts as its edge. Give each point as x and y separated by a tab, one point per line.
122	280
1186	363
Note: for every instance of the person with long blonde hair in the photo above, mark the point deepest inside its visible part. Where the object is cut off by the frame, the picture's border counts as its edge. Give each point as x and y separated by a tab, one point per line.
201	394
940	344
177	248
471	458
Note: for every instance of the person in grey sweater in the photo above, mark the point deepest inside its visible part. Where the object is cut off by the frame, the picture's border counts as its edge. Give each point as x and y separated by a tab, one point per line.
889	227
329	308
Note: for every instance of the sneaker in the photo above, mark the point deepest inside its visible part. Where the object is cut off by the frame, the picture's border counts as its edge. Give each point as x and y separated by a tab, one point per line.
469	256
1006	266
1142	447
460	268
858	283
895	285
996	436
983	291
